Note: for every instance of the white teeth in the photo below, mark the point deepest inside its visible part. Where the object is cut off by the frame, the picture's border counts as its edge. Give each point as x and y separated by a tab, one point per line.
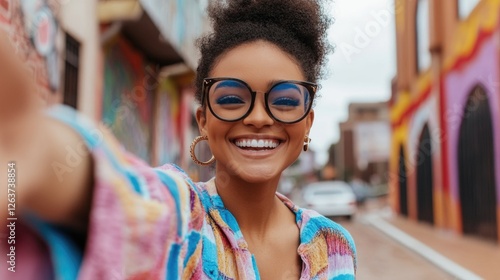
254	143
260	143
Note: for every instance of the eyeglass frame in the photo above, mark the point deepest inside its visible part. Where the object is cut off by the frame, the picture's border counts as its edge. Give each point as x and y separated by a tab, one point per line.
312	88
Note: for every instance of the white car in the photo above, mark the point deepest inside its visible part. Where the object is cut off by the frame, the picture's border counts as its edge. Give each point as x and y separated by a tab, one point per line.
330	198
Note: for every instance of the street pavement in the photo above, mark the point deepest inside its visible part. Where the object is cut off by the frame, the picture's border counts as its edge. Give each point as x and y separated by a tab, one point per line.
381	257
392	247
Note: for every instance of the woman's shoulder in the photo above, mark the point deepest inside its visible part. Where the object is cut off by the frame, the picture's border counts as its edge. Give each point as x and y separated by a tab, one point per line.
317	223
318	228
318	231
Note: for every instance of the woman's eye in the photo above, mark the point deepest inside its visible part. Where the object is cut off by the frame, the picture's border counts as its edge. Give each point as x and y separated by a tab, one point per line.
229	99
284	101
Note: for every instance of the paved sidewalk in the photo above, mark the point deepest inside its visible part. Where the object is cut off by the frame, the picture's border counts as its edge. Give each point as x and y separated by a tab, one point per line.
463	257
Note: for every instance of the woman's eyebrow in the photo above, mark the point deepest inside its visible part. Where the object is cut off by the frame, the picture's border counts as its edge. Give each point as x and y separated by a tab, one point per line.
285	86
229	83
273	82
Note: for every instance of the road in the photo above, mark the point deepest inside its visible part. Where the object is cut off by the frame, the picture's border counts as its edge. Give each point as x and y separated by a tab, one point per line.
380	257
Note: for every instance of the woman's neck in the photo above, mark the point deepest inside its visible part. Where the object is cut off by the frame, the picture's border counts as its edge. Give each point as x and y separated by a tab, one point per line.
254	205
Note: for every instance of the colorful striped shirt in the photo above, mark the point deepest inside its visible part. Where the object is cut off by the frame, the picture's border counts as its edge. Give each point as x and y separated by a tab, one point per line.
156	223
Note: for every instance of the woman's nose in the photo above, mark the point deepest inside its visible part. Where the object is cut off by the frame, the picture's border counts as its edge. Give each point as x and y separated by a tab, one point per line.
258	117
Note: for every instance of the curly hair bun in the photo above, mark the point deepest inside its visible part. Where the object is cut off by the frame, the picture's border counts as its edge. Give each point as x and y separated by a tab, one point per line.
305	19
299	27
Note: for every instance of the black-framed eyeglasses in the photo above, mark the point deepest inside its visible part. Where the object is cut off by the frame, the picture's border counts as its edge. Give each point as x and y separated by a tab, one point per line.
231	99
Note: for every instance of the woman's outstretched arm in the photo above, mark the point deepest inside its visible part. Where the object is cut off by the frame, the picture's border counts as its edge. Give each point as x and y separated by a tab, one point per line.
51	180
84	189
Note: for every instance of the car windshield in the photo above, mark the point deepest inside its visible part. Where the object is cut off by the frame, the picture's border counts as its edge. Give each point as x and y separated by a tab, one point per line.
328	192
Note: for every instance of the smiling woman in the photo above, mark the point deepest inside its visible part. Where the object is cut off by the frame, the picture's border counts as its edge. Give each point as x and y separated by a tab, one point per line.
256	83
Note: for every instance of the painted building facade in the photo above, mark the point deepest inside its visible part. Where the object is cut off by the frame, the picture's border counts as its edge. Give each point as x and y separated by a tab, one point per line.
149	61
41	31
123	63
445	115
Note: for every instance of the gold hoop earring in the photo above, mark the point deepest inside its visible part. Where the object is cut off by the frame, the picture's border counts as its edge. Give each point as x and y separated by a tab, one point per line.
193	156
307	140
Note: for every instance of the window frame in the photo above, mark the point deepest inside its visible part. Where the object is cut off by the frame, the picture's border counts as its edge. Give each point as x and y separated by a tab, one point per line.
71	70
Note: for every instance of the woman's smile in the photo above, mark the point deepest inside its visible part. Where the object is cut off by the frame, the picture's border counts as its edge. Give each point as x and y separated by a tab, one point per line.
256	144
257	147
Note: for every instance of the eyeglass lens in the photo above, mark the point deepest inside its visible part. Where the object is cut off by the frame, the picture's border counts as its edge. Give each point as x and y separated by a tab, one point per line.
231	100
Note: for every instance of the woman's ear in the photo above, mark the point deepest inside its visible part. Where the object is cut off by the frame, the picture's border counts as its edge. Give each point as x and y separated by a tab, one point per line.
201	119
309	121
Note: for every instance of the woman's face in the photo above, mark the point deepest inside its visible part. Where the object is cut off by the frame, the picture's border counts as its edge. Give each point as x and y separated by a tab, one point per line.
259	64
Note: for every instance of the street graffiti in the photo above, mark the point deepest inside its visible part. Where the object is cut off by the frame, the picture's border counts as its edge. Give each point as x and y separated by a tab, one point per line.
32	27
44	31
127	98
168	143
41	26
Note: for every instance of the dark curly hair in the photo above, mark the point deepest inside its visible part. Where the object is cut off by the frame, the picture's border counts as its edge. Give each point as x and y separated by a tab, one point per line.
298	27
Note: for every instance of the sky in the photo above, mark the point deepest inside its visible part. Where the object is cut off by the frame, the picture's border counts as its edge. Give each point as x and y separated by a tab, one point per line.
359	70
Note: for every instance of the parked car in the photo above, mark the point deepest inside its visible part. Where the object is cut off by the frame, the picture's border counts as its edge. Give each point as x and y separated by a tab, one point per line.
330	198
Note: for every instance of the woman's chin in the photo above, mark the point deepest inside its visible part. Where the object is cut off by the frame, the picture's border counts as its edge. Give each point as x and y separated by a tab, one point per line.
256	174
259	175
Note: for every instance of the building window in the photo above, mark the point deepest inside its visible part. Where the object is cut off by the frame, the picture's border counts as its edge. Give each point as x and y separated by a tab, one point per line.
71	67
403	186
425	186
422	34
465	7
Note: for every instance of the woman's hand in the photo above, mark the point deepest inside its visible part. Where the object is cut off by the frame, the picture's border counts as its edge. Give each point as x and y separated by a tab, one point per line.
33	142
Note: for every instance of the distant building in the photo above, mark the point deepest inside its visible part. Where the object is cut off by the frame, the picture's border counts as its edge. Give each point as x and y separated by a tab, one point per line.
445	115
303	170
363	148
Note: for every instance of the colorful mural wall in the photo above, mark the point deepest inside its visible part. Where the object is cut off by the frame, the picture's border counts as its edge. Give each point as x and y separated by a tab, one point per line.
128	90
409	117
445	156
174	121
471	89
168	144
33	28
